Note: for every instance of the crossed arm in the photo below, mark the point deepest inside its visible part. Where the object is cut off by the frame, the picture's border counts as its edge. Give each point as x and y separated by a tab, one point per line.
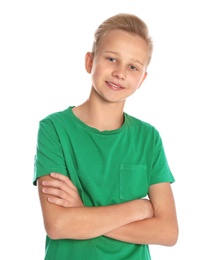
138	221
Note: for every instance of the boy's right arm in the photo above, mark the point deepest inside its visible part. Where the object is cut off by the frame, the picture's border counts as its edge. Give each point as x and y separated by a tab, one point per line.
80	222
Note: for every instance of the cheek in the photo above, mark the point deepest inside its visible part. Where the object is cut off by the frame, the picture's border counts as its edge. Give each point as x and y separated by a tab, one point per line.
135	82
96	71
95	76
140	81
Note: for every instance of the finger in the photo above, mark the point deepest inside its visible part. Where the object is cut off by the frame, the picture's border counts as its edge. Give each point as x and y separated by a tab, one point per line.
61	198
56	193
64	179
70	196
59	202
59	186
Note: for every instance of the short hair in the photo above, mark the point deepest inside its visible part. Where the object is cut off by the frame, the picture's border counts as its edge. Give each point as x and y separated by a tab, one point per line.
127	22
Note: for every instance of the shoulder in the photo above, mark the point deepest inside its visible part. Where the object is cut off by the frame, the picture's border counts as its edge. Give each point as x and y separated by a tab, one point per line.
57	117
55	122
140	125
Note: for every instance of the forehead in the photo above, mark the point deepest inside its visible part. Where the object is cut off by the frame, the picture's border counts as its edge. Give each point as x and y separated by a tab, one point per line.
125	43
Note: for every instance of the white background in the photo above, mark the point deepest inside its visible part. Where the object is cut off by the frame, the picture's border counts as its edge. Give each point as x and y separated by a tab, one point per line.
42	48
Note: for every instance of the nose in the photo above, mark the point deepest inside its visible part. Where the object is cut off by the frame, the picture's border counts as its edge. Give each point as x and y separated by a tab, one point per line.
119	72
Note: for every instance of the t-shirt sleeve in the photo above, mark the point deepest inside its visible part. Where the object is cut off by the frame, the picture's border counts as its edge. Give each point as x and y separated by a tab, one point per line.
49	155
160	168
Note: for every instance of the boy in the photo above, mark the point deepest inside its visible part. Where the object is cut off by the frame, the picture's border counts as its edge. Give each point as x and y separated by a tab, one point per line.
95	165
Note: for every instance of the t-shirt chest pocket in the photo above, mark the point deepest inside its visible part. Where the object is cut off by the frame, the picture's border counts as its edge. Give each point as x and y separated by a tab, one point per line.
133	182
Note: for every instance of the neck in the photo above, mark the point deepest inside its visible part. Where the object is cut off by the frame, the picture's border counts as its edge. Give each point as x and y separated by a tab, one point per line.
101	115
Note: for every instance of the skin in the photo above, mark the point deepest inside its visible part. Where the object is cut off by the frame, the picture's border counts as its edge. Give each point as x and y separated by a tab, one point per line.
117	71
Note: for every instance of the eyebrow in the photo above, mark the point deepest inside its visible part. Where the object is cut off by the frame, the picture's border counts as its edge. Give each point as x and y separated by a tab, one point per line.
117	53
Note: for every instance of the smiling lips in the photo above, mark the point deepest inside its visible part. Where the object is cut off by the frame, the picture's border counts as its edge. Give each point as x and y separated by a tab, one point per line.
114	86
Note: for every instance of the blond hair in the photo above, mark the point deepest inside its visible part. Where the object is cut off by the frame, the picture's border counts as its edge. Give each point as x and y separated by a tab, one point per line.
126	22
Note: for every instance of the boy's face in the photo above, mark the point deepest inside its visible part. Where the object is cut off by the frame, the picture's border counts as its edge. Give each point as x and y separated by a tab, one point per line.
119	66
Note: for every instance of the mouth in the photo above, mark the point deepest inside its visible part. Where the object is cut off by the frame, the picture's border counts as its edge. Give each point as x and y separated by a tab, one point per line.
114	86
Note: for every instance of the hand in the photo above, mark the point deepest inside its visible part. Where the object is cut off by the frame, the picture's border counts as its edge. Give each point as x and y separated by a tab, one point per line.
62	191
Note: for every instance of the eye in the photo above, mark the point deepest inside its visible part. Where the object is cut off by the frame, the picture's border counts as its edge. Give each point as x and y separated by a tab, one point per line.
133	67
111	59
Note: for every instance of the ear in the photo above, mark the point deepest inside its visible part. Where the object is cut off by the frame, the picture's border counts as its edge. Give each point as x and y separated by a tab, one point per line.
143	78
88	61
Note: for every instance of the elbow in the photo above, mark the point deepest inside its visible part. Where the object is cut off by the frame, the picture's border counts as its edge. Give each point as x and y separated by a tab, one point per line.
57	229
174	237
53	230
171	237
54	235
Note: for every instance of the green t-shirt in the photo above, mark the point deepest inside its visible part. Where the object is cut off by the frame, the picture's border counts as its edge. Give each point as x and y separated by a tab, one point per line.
107	167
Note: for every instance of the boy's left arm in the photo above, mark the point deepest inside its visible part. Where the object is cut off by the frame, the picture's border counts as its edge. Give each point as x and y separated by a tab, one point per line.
161	229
